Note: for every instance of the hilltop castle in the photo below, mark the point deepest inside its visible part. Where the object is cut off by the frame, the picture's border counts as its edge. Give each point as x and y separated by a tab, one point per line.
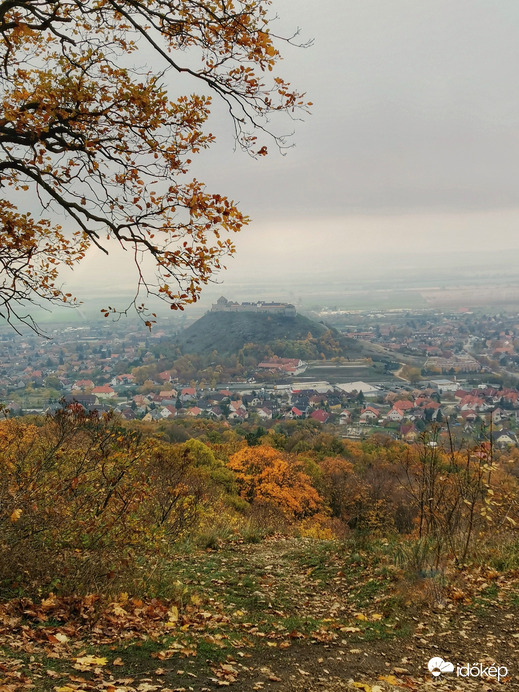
224	305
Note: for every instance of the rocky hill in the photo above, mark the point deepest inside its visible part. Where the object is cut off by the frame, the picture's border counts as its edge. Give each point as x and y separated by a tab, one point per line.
228	332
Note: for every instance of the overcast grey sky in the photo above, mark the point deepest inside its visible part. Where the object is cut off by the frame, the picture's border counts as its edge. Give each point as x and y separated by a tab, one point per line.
416	108
412	145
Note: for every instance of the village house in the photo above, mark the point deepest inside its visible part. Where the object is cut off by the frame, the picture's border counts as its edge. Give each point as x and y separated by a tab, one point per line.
168	395
504	438
104	391
287	366
238	414
345	417
369	415
82	385
188	394
395	415
168	411
320	415
408	432
264	413
118	380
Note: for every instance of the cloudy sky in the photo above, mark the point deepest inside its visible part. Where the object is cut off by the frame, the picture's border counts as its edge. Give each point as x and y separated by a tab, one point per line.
412	146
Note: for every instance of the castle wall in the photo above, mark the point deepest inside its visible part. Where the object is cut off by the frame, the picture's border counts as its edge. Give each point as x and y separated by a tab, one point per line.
285	309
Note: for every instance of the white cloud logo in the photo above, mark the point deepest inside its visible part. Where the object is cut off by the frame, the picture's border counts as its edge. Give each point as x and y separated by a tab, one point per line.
437	666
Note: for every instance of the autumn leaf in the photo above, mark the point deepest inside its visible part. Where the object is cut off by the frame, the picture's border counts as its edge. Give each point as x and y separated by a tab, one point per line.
91	660
111	142
172	617
62	638
391	679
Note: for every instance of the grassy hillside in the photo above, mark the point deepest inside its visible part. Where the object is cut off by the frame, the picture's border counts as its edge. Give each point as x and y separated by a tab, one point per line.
229	332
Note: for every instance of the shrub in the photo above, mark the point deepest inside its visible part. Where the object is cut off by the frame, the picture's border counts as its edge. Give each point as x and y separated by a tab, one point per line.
81	498
267	476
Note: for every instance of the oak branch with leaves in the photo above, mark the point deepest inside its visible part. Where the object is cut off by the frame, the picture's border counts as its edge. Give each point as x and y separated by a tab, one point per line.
90	135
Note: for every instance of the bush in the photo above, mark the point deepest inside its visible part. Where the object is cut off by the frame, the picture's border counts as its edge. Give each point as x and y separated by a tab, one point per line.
82	499
266	476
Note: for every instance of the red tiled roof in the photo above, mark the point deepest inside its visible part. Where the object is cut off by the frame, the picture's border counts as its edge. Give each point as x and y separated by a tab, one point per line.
320	415
403	405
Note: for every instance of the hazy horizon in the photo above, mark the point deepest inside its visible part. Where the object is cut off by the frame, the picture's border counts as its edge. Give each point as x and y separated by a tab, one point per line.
483	280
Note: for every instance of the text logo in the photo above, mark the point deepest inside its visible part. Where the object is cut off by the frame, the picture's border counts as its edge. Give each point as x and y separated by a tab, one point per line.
437	666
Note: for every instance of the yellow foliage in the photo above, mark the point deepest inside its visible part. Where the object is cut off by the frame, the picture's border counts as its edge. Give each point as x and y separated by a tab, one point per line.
315	527
80	494
266	475
89	127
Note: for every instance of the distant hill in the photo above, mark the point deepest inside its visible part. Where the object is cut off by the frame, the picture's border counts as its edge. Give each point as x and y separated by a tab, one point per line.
228	332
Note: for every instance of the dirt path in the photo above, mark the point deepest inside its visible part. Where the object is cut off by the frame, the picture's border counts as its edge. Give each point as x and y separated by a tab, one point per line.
291	615
483	631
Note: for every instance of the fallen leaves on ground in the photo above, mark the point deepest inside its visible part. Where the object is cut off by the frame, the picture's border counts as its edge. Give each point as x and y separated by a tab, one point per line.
258	617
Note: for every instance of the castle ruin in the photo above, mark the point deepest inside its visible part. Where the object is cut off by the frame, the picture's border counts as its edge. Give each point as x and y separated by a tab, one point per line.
224	305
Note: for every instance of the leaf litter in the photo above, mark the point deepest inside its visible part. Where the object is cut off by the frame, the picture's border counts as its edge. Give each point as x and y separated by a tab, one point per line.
260	617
